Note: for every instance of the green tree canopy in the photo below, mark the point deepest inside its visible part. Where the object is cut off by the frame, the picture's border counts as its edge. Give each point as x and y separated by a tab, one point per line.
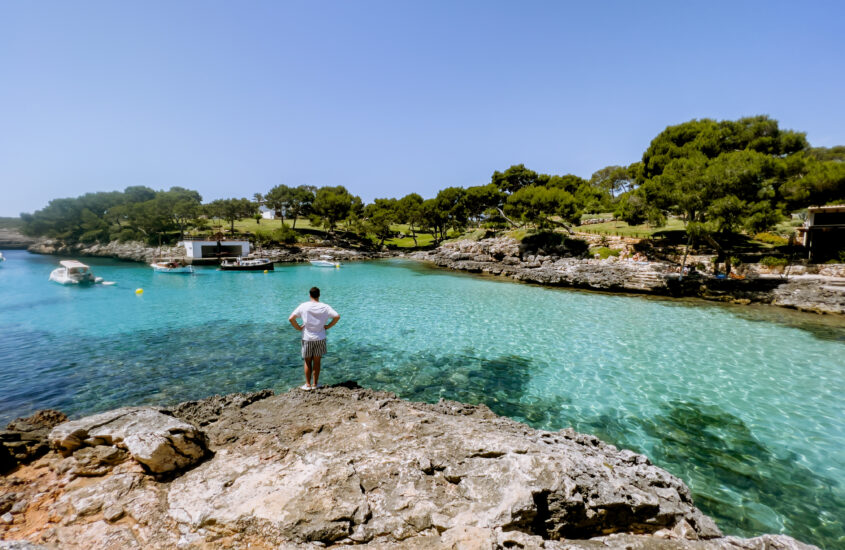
334	204
539	205
514	178
231	210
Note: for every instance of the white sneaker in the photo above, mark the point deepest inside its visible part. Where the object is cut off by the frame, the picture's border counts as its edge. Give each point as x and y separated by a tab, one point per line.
305	387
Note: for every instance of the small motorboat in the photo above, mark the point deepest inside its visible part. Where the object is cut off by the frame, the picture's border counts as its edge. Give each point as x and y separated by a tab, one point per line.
2	258
171	265
325	261
247	264
74	273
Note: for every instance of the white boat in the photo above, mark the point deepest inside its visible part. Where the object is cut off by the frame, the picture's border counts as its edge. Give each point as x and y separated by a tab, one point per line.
171	265
2	258
325	261
73	273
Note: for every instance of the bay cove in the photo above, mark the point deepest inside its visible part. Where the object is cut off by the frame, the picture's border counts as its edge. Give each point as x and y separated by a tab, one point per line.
702	390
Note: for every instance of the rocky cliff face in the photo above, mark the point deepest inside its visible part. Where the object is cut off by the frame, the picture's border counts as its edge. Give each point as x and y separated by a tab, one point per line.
344	466
504	256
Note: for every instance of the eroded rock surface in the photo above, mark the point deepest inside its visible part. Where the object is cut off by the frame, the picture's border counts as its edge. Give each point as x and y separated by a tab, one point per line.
25	439
160	442
345	466
819	293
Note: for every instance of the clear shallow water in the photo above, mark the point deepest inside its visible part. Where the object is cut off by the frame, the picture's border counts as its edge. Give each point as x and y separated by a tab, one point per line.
750	413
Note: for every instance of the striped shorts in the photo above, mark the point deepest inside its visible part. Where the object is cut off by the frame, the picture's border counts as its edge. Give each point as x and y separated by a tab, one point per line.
313	348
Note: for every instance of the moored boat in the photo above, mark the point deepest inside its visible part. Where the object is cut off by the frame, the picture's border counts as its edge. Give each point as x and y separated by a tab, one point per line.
247	264
2	258
73	272
171	265
325	261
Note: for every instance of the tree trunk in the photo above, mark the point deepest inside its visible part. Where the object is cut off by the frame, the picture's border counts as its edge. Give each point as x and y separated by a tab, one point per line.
510	221
294	222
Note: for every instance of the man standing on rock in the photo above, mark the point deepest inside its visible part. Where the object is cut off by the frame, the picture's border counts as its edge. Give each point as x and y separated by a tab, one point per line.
314	315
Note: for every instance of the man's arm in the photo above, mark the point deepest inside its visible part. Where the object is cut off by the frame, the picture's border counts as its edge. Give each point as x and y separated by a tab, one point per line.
294	324
333	323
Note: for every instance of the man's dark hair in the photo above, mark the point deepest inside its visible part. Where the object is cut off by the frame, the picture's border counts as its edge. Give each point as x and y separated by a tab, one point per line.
314	292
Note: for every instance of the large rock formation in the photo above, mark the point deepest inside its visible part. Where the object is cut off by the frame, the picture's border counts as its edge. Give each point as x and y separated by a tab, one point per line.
345	466
159	442
504	256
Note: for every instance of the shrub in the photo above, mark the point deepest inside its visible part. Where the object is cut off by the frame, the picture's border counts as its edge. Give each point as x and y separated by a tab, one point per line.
129	235
772	261
603	252
477	235
771	238
284	235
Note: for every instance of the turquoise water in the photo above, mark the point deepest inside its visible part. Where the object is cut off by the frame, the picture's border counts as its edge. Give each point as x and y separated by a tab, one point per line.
748	411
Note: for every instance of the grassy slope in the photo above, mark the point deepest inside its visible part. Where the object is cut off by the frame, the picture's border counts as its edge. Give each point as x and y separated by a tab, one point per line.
623	229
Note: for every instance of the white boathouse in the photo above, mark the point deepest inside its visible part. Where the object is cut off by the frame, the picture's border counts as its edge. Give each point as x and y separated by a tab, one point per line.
197	249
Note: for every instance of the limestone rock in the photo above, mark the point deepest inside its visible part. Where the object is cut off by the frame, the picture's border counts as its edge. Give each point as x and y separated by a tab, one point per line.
160	442
820	293
25	439
345	466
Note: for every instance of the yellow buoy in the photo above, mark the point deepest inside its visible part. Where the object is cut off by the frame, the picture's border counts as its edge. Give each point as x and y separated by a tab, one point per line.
265	271
139	291
337	265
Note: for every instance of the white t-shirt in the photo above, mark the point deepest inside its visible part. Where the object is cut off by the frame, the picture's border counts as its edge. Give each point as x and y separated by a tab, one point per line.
314	316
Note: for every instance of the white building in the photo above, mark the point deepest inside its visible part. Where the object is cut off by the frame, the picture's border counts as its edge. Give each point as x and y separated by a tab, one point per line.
208	249
268	213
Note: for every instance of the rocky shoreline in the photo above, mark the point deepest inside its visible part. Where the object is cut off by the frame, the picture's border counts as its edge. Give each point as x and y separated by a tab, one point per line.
819	293
134	251
337	467
11	239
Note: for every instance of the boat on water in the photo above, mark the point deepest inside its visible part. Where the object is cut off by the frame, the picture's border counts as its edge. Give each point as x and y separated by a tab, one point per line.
247	264
171	265
2	258
325	261
73	272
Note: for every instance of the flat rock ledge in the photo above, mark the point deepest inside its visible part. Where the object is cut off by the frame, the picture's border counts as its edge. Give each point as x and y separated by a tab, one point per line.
345	466
503	256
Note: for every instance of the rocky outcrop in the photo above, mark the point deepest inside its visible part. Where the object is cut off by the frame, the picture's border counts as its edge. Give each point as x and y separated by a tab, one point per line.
132	251
346	466
159	442
305	253
504	256
817	293
14	239
25	439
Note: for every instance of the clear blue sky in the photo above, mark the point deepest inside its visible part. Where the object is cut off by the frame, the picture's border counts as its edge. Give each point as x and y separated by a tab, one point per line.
387	98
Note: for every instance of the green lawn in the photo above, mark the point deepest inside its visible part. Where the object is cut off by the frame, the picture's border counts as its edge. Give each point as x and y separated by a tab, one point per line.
304	227
250	225
622	229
